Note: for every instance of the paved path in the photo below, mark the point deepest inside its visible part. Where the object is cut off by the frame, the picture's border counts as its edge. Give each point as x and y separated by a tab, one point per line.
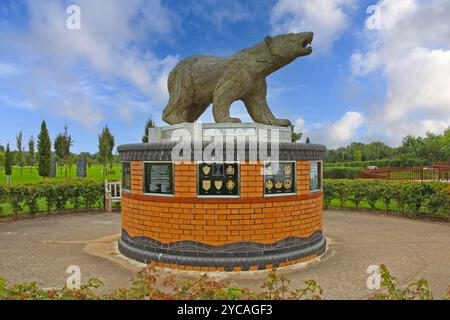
41	249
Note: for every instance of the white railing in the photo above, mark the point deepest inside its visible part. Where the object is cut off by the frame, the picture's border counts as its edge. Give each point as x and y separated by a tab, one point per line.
113	193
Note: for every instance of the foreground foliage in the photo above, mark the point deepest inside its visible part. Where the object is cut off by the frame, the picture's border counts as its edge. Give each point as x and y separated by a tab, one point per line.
149	286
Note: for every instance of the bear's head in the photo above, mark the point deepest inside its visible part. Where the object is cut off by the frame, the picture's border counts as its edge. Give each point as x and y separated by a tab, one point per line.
287	47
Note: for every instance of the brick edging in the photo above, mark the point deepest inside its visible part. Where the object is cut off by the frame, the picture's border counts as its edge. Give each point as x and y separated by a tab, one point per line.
243	255
314	195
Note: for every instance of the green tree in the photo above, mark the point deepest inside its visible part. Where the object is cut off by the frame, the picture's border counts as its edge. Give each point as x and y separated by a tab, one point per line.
8	169
357	154
60	149
62	145
19	146
446	145
68	143
148	124
31	153
295	136
2	159
105	147
44	151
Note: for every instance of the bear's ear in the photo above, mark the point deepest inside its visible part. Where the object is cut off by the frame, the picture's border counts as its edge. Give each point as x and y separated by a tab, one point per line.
268	41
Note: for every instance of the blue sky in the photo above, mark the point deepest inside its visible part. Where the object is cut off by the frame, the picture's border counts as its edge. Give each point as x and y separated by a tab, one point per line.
360	84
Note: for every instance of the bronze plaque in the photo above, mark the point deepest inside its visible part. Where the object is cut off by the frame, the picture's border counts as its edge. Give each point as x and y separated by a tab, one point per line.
218	180
279	178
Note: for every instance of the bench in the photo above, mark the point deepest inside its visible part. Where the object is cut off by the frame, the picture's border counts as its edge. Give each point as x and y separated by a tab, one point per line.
113	193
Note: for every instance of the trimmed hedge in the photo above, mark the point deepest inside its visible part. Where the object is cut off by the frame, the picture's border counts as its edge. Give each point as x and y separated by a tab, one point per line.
55	195
412	198
340	173
386	163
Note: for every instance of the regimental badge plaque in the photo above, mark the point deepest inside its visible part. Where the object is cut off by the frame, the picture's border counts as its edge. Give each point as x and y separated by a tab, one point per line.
279	178
218	179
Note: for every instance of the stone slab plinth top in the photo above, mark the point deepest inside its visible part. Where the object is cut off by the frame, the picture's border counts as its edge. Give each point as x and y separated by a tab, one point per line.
207	132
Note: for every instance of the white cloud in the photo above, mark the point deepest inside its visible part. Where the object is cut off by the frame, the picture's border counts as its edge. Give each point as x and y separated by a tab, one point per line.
335	134
300	126
7	69
113	45
412	50
328	19
343	130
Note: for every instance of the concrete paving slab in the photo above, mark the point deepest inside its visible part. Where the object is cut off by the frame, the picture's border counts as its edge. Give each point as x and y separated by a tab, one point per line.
41	249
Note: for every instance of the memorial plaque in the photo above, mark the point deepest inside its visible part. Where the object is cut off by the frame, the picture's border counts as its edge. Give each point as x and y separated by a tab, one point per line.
126	176
315	176
158	178
81	168
279	178
53	168
218	180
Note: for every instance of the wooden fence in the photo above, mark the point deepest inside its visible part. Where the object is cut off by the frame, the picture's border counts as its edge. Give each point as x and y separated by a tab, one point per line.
437	172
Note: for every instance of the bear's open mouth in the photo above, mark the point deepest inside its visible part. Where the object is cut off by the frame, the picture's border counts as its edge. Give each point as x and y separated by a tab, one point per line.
306	43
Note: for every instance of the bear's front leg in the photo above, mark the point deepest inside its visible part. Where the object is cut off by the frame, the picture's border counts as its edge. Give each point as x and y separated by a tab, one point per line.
256	104
231	88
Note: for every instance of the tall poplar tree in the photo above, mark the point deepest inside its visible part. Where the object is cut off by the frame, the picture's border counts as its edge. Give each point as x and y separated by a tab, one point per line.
44	151
31	153
105	147
20	160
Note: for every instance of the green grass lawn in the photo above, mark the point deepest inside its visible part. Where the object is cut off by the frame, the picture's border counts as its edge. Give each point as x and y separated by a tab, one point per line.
95	172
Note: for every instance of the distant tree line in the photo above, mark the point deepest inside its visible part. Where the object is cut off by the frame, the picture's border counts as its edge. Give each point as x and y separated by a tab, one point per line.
431	148
40	153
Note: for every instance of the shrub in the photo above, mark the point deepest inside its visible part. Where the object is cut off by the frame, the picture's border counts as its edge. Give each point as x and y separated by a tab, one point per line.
62	195
75	195
390	289
357	192
32	195
386	194
341	173
373	193
341	191
15	195
415	195
431	197
439	201
2	196
56	195
328	193
92	193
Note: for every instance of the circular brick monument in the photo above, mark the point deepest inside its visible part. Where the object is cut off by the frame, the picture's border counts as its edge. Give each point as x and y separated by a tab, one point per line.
212	198
228	215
